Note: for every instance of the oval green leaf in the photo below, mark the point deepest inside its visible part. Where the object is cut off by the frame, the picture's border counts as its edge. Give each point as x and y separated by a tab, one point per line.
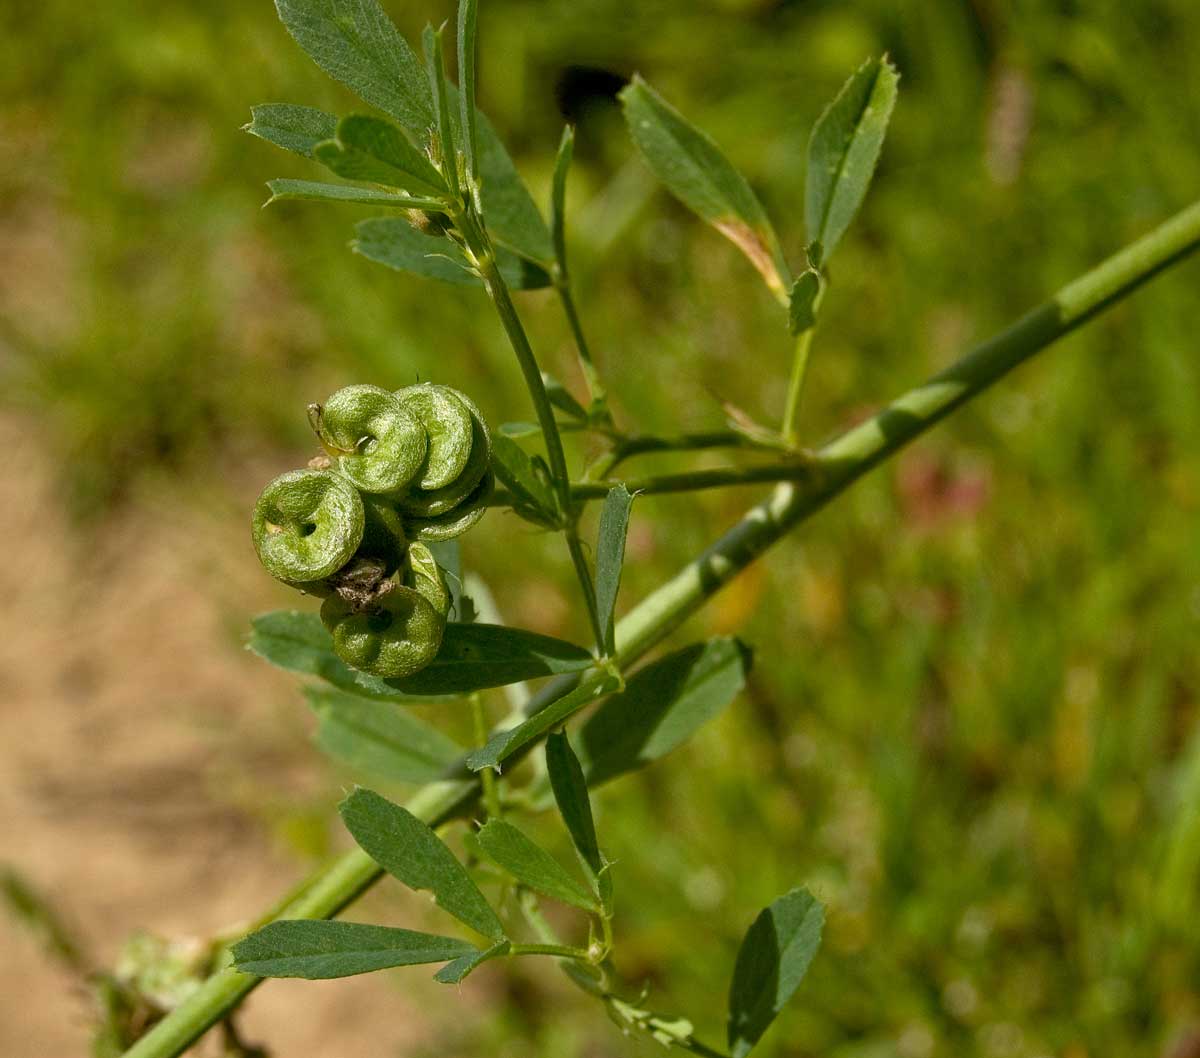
380	739
356	43
610	556
531	865
294	128
662	706
318	950
695	171
843	150
772	961
410	851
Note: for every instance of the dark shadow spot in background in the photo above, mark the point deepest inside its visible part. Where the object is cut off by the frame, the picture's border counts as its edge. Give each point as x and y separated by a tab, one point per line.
581	90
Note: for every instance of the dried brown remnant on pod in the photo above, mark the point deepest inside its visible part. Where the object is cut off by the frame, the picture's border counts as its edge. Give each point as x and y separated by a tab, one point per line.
362	583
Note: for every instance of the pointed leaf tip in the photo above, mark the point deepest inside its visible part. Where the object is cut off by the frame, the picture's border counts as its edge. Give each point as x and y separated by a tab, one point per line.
844	149
774	957
410	851
695	171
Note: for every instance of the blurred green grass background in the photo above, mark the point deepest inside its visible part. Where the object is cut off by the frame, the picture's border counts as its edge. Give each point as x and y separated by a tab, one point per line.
972	727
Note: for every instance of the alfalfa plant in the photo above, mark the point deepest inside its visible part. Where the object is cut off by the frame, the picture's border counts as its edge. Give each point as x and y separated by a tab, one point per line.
369	528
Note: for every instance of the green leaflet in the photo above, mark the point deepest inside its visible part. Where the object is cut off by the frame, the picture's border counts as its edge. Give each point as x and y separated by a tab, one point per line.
356	43
533	497
558	197
371	149
843	150
294	128
662	706
315	191
409	850
571	796
513	218
505	743
532	865
431	46
455	972
695	171
394	242
380	739
468	18
772	961
610	556
319	950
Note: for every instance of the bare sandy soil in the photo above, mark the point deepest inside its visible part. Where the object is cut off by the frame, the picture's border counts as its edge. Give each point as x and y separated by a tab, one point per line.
138	747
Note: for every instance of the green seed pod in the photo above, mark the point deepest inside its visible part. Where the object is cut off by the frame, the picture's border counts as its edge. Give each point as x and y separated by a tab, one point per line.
429	503
379	444
457	521
307	524
449	423
399	636
383	532
425	577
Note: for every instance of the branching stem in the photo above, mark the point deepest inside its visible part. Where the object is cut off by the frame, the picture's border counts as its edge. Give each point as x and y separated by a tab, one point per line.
845	459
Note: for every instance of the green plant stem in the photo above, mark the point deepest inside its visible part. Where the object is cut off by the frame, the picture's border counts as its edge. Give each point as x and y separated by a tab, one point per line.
643	444
694	1046
528	902
688	481
591	376
497	289
562	951
491	794
485	260
584	576
626	447
791	410
847	458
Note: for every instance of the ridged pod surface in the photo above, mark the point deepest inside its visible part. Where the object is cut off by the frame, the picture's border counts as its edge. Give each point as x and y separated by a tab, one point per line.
379	444
307	524
453	507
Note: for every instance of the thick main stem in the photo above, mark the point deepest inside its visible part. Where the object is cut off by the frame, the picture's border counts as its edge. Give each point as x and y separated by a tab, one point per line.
844	459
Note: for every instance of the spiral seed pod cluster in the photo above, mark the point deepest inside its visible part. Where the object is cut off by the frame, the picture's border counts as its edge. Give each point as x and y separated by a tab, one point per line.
400	469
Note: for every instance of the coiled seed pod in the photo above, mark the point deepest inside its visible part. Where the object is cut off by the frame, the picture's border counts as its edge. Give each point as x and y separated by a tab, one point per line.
449	423
462	445
307	524
459	519
401	632
379	444
400	468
